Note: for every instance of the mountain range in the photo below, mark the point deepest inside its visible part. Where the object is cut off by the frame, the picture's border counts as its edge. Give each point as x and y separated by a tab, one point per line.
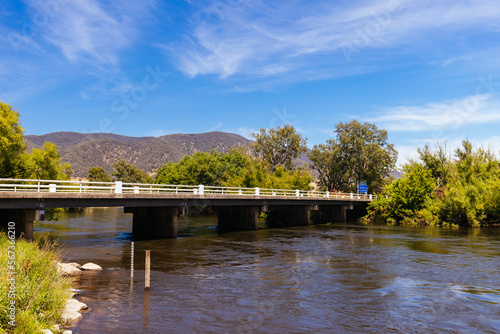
86	150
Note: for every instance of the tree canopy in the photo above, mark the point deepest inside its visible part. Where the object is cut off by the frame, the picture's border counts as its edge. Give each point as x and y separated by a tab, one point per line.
45	164
279	146
12	143
98	174
129	173
463	191
233	169
15	162
404	196
359	153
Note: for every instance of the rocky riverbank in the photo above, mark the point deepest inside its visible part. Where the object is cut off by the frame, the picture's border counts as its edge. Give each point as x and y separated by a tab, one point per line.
73	310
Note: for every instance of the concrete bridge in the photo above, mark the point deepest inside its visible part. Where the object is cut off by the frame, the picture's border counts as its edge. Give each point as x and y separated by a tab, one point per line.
155	207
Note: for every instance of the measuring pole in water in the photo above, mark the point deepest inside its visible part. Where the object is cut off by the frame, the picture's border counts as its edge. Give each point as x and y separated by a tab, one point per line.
148	267
132	261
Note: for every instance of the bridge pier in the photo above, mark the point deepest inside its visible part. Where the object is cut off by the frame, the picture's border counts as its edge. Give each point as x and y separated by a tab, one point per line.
238	218
160	222
333	213
290	215
23	221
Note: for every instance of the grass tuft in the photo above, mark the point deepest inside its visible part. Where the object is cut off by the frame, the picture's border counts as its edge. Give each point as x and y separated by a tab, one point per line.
40	292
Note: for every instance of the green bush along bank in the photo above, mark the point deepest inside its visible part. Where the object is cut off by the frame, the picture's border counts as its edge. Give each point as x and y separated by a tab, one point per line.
437	190
36	293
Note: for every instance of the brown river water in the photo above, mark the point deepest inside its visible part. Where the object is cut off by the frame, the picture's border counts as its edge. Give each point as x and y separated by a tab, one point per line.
333	278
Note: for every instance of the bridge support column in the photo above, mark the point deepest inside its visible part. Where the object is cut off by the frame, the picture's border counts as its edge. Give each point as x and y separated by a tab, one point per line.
333	213
160	222
290	215
238	218
22	221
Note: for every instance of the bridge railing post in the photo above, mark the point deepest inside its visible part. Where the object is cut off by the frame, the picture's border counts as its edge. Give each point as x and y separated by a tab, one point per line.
257	191
297	192
201	189
351	195
118	187
52	188
327	194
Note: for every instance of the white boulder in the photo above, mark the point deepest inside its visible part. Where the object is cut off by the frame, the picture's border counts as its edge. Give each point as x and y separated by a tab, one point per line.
67	269
70	317
75	305
91	266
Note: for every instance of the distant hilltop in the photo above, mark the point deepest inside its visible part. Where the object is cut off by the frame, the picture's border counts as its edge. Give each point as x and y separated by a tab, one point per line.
86	150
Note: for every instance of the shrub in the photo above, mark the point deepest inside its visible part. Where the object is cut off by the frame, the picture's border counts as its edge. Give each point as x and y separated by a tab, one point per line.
40	292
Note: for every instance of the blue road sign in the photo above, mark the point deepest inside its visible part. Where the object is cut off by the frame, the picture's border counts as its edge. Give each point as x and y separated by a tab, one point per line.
362	188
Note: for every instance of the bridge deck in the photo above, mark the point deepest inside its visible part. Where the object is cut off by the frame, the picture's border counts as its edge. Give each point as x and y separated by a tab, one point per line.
36	194
61	200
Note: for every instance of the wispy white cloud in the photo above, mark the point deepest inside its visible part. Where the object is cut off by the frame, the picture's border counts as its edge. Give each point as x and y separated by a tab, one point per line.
88	31
477	109
84	30
60	41
265	39
216	127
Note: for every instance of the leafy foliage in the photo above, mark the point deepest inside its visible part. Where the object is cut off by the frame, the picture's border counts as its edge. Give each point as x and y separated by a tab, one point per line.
470	196
465	191
129	173
12	144
15	162
233	169
436	162
332	173
45	164
41	292
279	146
359	153
97	174
404	196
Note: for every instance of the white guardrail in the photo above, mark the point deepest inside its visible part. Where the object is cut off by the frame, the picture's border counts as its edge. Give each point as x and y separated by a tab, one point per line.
118	187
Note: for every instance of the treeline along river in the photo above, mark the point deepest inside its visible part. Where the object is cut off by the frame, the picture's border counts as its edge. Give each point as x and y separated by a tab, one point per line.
335	278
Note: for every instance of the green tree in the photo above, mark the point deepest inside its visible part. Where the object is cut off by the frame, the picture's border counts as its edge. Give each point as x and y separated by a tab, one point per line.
437	163
470	197
359	153
45	164
97	174
129	173
12	143
205	168
332	172
233	169
279	146
405	197
464	190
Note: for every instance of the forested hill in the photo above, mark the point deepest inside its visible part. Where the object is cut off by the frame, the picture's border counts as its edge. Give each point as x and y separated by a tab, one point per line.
86	150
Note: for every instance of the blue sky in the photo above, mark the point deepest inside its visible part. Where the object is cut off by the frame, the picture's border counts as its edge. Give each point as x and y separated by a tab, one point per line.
424	70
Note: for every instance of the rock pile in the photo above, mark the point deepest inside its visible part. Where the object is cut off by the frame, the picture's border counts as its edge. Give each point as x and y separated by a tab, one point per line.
72	312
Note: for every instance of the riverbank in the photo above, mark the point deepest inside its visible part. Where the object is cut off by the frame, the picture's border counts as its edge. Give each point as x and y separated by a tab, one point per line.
35	292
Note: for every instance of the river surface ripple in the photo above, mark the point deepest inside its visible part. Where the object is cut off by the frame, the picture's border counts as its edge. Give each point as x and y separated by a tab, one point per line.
335	278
